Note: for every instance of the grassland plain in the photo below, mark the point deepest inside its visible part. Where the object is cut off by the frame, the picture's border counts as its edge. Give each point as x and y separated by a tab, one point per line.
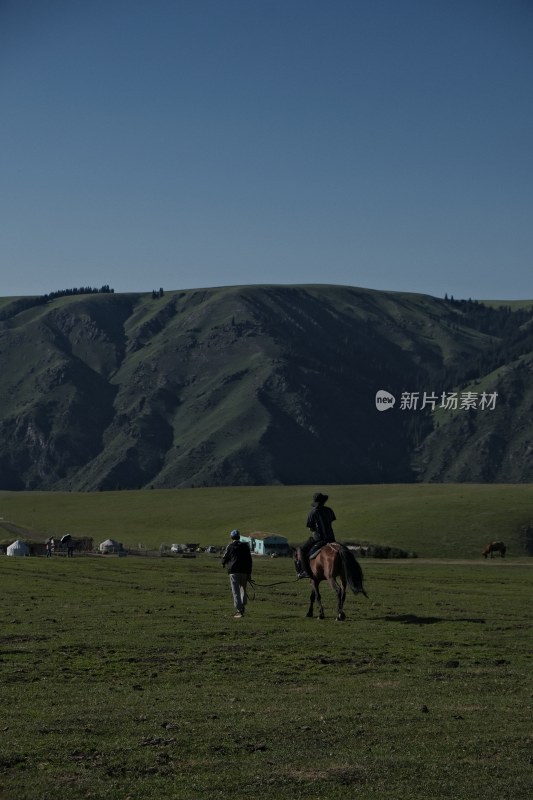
433	520
129	678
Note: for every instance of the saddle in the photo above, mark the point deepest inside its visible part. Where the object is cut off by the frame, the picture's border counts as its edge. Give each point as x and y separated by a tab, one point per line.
316	548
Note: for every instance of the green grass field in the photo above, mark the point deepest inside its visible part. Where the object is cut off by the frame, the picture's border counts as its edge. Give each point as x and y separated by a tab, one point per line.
433	520
129	678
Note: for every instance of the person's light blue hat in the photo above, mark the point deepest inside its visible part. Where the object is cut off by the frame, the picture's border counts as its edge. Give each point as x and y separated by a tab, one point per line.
235	535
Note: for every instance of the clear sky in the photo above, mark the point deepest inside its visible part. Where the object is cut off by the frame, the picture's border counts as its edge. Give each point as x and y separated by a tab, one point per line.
189	143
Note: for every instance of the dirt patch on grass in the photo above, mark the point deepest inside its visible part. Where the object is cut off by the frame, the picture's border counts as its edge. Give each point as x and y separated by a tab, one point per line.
337	773
386	684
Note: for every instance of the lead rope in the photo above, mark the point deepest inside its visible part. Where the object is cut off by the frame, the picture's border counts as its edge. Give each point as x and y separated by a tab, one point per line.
255	585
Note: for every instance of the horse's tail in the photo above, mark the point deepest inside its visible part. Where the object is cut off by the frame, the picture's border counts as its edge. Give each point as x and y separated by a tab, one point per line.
352	570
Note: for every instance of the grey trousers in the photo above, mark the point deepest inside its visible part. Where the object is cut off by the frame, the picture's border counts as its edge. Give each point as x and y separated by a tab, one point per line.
238	581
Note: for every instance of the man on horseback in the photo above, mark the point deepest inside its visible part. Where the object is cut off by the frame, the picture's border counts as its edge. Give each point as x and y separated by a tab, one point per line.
319	521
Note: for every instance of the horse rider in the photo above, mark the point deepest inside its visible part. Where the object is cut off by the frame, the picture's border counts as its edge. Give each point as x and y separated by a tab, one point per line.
238	562
319	521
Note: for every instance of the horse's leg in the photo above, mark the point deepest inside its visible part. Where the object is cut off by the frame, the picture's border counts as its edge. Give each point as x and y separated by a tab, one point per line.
319	601
338	591
311	603
342	615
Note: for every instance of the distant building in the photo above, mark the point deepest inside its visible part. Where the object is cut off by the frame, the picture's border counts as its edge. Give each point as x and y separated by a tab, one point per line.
18	548
267	544
111	546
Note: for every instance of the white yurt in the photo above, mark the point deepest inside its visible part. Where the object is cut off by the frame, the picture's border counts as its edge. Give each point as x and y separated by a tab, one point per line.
18	548
110	546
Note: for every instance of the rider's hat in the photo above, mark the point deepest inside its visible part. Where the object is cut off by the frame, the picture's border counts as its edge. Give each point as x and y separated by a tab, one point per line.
235	535
320	498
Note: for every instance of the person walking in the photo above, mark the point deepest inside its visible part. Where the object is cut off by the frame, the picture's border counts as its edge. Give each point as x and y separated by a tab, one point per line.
319	521
238	562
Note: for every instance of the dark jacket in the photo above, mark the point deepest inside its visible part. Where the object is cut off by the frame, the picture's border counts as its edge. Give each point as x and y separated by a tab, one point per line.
238	558
319	521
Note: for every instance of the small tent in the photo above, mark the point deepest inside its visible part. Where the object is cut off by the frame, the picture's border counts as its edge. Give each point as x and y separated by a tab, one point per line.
18	548
110	546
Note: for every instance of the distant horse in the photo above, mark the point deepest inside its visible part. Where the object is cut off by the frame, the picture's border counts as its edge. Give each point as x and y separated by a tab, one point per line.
70	544
494	547
333	561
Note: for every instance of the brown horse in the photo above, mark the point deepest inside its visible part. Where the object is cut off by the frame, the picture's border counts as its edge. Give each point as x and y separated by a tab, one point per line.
333	561
494	547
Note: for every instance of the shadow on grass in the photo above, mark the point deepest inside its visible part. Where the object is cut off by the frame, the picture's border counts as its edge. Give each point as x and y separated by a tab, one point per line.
414	619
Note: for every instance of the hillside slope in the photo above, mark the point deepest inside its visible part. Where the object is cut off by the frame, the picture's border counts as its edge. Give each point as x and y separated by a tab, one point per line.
259	385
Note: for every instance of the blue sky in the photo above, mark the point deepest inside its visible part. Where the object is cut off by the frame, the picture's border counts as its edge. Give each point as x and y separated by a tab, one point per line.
377	143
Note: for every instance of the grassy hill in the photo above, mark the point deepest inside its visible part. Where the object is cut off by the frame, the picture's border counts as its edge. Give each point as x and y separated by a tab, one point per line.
439	521
258	385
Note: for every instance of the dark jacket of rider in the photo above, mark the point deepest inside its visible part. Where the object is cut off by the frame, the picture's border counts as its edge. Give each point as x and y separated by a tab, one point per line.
319	521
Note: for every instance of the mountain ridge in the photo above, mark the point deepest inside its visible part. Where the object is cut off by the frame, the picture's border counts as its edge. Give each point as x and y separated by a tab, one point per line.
258	385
